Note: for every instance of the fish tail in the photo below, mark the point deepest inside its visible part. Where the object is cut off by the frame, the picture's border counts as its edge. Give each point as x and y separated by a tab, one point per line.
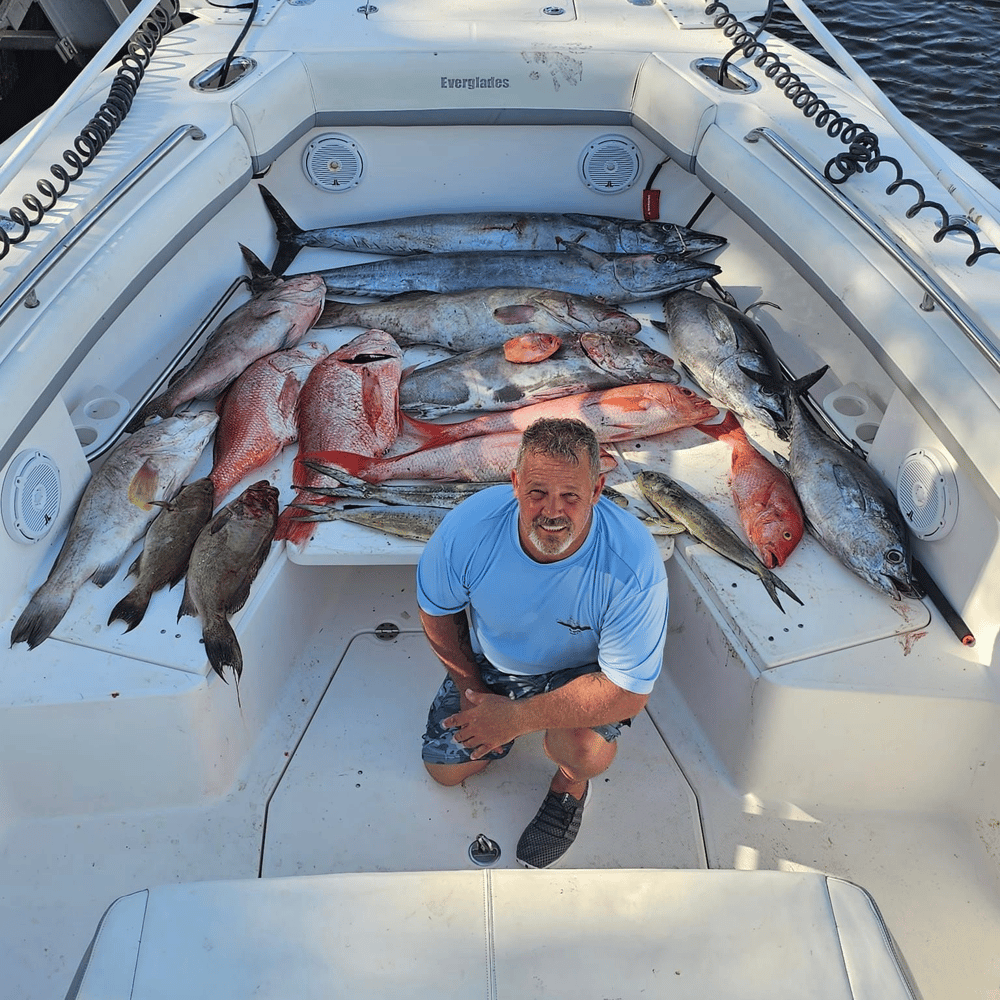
158	406
44	612
428	433
286	229
333	461
222	648
774	583
130	609
291	527
721	430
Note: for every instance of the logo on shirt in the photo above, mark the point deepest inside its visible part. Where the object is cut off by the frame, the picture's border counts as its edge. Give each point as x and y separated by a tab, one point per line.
575	627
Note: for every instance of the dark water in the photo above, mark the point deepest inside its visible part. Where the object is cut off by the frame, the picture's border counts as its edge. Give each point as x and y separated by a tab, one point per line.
936	60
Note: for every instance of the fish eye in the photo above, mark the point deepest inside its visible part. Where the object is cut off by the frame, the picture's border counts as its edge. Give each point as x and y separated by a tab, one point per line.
662	258
894	557
787	535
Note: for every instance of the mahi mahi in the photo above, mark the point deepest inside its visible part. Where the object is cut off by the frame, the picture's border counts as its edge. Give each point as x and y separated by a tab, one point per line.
577	269
488	231
485	380
671	500
116	508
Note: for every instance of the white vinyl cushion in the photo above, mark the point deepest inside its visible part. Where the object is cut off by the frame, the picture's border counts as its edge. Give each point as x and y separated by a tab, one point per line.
506	934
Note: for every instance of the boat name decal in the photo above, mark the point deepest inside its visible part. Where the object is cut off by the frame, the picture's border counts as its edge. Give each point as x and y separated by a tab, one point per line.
474	82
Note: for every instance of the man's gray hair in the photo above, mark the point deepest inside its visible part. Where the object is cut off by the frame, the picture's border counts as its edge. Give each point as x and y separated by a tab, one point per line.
563	438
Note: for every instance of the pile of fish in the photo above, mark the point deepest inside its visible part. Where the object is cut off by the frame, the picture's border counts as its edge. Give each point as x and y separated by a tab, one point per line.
529	304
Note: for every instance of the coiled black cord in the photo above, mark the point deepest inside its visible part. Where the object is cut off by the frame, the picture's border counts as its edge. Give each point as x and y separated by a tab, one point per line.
863	152
95	134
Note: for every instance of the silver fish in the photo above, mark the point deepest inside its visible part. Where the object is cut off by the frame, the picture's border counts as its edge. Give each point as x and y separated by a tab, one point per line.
415	522
428	494
165	551
673	501
114	511
485	380
225	560
488	231
478	317
576	269
729	356
849	508
278	315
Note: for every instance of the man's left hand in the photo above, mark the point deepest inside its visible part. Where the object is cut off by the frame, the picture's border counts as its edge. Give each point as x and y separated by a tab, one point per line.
492	721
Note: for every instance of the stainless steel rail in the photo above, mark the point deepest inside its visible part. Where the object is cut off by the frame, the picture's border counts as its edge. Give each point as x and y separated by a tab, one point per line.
25	293
931	288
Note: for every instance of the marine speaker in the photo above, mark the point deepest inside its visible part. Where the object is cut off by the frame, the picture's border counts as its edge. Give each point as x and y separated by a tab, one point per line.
927	493
30	497
610	164
333	162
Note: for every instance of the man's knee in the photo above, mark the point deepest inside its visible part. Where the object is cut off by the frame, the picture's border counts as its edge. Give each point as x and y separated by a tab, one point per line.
581	749
454	774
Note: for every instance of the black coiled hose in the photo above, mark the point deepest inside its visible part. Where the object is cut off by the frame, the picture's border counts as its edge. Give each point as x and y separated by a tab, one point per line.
863	152
95	134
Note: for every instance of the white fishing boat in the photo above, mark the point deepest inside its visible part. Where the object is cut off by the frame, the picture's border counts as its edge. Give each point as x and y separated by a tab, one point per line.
809	805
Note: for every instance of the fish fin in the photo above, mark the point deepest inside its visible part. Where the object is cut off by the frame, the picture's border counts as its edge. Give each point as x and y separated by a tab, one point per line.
849	487
529	348
130	609
261	276
43	613
806	382
721	430
372	401
585	254
722	327
290	527
143	486
187	606
222	648
158	406
287	231
133	570
333	461
773	583
515	315
106	572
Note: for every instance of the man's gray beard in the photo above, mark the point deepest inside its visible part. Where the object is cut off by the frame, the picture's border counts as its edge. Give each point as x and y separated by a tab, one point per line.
545	542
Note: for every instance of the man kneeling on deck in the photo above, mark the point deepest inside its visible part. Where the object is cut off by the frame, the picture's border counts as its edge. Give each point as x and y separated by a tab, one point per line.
567	599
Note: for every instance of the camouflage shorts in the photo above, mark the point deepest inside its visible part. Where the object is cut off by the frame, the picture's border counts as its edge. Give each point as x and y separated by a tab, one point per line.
440	748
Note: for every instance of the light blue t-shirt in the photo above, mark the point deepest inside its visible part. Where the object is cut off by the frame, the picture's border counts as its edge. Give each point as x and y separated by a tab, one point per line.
604	604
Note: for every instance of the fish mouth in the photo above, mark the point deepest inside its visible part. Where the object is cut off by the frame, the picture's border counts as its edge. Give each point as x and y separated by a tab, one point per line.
901	587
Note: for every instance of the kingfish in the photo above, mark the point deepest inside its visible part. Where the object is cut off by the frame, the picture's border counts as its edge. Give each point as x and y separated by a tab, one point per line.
488	231
279	314
225	560
478	317
849	508
765	499
486	380
729	356
673	501
613	277
116	508
166	549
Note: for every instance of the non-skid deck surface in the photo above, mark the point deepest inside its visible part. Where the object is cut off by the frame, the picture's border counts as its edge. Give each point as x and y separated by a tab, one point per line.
356	797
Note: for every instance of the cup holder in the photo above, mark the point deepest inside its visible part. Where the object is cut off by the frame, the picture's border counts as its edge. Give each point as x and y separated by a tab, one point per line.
854	413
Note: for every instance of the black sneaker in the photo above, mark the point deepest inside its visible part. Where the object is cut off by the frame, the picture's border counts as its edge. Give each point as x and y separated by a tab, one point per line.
552	832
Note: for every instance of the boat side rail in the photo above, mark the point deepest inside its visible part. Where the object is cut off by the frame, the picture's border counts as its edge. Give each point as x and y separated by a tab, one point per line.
933	292
25	293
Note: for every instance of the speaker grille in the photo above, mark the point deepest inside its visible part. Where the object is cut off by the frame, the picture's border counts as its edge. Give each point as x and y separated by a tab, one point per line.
30	497
333	162
610	164
927	493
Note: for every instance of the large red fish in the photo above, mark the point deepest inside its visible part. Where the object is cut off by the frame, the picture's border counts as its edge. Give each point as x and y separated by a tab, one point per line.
623	413
765	499
257	414
350	402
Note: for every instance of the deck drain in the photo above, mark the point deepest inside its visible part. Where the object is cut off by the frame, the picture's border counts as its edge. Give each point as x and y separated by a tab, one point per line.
386	631
483	851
